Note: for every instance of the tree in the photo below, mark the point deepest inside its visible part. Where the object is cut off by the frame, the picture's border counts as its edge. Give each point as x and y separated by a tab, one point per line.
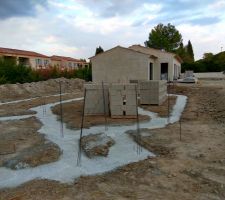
181	51
190	52
99	50
208	56
165	37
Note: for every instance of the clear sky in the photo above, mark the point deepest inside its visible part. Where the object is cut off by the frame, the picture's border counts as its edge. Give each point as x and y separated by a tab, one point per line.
76	27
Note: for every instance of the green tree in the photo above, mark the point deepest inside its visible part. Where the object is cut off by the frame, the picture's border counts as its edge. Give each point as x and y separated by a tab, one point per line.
190	52
181	51
99	50
208	56
165	37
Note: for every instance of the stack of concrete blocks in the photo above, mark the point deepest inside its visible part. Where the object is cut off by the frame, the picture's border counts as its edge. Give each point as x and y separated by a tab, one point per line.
153	92
94	101
123	100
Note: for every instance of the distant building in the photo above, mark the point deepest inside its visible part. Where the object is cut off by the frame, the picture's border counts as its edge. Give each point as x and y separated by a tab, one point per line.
40	61
27	58
122	65
67	62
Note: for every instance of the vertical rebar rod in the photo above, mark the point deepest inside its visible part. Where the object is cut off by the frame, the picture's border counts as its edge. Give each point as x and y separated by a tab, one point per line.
180	127
168	100
81	130
61	108
104	104
43	107
138	124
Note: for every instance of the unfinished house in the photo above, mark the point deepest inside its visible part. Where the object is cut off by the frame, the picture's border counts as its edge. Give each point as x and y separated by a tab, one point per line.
121	65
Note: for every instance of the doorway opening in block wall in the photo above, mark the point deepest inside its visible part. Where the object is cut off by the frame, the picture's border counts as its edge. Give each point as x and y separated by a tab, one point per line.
164	71
150	71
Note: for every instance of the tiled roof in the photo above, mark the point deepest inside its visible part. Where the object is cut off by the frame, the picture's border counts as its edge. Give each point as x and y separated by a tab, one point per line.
63	58
149	51
21	52
129	49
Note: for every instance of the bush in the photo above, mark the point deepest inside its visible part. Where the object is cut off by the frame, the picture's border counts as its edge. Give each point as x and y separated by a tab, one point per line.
11	72
213	63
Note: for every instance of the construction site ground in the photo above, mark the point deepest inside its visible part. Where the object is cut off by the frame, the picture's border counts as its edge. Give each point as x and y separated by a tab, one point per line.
186	166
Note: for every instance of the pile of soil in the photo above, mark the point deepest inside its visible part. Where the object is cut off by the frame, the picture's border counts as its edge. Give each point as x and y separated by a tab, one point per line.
96	144
36	89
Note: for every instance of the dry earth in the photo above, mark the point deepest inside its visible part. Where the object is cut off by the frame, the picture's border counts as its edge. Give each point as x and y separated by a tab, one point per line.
193	168
164	109
72	115
38	89
22	146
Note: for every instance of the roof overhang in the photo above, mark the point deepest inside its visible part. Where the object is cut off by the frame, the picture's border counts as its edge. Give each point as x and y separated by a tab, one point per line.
179	59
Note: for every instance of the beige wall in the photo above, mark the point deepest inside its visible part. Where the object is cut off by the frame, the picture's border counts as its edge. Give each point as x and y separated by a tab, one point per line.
120	65
176	65
60	64
32	60
35	66
163	57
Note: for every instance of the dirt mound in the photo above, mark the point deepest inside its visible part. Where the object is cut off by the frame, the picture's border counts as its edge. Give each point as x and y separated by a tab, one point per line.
96	144
36	89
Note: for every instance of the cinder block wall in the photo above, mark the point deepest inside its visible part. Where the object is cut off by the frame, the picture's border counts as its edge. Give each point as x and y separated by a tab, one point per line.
153	92
94	101
123	100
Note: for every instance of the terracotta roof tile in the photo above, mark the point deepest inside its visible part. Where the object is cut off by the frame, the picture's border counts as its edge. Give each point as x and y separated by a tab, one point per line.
21	52
63	58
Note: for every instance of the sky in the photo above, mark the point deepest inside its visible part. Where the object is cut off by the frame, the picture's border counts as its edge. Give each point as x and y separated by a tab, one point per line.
76	27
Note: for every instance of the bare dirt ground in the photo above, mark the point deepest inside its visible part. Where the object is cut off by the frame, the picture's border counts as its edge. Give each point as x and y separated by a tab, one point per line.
25	144
22	108
72	115
193	168
164	109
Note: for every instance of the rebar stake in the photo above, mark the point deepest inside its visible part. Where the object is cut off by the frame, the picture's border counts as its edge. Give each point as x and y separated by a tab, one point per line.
81	131
138	136
61	109
180	128
104	104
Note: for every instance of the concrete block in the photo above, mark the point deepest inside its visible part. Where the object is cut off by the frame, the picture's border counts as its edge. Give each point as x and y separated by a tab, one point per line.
152	91
130	86
131	110
131	100
94	102
116	110
116	87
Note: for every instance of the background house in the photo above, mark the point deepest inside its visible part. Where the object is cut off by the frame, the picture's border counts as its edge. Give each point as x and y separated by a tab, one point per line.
27	58
40	61
68	63
122	65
